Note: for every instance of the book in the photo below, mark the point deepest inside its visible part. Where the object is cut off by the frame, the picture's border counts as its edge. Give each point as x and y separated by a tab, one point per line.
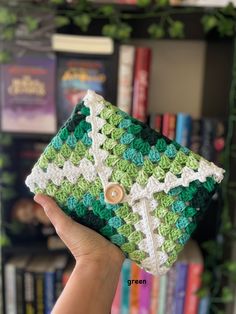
77	74
28	94
168	125
125	77
162	295
183	129
115	309
125	288
196	136
154	294
208	133
14	283
171	280
145	292
204	305
141	82
180	288
195	270
155	122
59	264
134	289
82	44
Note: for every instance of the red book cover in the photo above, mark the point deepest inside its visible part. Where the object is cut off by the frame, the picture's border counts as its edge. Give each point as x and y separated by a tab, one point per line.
141	80
193	284
169	124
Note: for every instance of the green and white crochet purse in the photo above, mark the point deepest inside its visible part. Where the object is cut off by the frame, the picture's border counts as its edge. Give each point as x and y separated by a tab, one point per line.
114	174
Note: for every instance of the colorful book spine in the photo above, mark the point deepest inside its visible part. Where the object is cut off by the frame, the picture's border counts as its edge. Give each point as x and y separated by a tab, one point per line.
141	80
196	136
134	290
125	288
29	293
193	284
49	291
162	295
115	309
170	289
39	292
207	149
204	305
125	77
180	289
183	129
168	125
154	294
10	291
145	292
155	122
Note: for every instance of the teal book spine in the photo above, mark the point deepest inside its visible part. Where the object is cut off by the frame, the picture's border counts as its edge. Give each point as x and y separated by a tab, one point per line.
162	295
125	288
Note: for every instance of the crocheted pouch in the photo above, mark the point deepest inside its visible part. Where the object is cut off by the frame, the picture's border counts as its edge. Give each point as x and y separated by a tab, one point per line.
131	184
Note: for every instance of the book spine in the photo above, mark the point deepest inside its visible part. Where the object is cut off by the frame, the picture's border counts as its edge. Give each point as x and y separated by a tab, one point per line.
154	294
183	129
204	305
196	136
193	284
10	289
115	309
141	80
20	290
29	293
170	289
165	124
145	292
180	289
168	125
58	283
125	77
125	289
207	149
39	292
134	291
162	295
49	292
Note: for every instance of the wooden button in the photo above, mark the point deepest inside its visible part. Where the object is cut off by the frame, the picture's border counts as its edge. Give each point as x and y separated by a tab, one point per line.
114	193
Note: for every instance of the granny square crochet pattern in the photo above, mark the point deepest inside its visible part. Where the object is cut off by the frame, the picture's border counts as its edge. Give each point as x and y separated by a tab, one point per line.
131	184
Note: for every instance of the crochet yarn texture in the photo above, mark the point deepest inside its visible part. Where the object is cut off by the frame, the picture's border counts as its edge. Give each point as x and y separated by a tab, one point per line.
165	186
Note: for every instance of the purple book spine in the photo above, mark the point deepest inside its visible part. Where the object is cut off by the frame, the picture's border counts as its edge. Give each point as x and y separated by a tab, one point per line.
145	292
180	289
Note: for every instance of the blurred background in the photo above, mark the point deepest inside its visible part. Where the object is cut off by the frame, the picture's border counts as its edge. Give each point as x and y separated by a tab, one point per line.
171	64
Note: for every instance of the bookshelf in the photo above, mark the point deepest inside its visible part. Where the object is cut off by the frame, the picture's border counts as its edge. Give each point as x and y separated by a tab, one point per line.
214	75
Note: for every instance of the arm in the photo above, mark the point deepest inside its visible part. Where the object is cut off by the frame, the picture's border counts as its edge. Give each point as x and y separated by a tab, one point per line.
92	285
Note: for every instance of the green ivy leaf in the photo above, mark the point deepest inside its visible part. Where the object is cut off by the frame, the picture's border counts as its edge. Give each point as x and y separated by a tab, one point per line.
226	27
206	278
156	31
162	3
110	30
124	31
107	10
61	21
176	29
230	266
8	33
203	292
143	3
227	295
4	240
229	9
209	22
57	1
7	17
82	21
31	23
4	56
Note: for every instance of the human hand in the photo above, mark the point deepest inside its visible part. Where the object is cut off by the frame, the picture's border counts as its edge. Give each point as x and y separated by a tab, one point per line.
85	244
